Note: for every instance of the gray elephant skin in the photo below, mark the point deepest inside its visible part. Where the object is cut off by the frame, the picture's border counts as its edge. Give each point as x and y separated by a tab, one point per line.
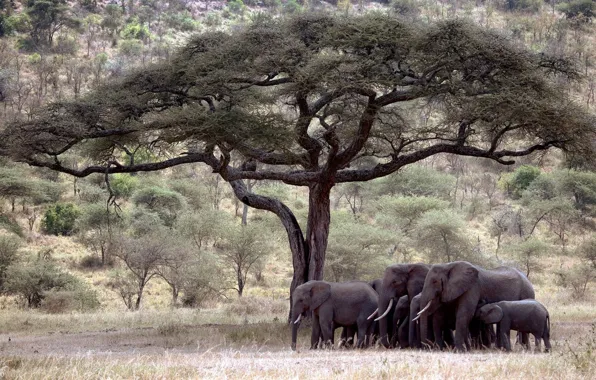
333	305
398	280
463	285
526	316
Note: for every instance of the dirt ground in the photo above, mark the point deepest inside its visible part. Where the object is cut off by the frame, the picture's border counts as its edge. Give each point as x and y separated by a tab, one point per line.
192	352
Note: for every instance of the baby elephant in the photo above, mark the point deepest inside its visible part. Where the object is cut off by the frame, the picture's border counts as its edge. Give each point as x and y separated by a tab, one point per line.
526	316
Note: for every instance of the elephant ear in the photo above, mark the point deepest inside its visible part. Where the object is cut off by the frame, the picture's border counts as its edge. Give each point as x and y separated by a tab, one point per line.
461	277
492	314
319	293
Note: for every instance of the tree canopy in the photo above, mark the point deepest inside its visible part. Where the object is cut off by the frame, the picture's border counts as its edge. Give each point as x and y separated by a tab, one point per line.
316	100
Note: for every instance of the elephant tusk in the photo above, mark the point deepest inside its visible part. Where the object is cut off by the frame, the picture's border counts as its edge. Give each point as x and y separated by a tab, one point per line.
416	318
373	314
386	311
298	319
425	308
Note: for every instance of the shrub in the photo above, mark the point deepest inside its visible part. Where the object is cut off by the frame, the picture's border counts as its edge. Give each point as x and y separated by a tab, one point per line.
60	219
9	245
130	48
251	305
66	45
135	30
291	7
31	281
405	7
518	181
91	262
166	203
11	225
531	6
212	19
61	301
578	8
236	7
123	185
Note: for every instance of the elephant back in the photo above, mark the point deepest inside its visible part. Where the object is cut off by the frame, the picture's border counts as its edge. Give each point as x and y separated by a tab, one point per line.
505	284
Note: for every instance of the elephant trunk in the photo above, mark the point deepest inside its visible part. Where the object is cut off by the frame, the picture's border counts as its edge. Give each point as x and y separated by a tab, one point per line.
384	322
423	328
295	326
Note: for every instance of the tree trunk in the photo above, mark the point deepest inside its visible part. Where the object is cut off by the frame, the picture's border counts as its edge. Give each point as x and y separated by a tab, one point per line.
240	282
317	230
298	245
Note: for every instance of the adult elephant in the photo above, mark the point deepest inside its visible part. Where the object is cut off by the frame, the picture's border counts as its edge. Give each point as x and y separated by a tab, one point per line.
464	285
332	305
402	318
398	280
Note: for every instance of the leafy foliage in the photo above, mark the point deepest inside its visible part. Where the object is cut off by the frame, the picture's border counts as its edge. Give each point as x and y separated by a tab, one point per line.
166	203
31	280
60	219
357	250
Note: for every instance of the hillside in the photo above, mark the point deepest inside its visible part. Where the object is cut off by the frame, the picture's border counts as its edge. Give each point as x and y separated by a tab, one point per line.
175	250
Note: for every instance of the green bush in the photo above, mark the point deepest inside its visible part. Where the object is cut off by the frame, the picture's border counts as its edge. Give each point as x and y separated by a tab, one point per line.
9	245
291	7
405	7
518	181
531	6
166	203
130	48
31	281
236	7
123	185
136	30
60	219
577	8
212	19
181	21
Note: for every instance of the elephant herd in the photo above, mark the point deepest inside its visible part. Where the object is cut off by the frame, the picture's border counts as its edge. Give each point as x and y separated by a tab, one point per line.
453	305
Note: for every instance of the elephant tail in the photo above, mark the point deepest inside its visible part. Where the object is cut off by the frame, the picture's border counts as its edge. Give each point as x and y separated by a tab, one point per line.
547	325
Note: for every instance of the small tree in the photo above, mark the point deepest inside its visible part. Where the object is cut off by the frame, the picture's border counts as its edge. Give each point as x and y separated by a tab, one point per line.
529	254
405	211
241	249
31	280
48	17
357	250
166	203
440	233
142	257
96	227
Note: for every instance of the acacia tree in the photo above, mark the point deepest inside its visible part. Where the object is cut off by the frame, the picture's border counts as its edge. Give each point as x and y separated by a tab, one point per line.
314	101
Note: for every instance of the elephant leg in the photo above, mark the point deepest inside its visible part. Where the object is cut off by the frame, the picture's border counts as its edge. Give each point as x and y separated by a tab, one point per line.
525	340
315	334
364	331
499	338
438	331
506	333
537	342
327	332
402	333
461	329
448	337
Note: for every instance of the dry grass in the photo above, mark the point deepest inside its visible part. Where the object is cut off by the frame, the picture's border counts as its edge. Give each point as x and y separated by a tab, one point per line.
247	364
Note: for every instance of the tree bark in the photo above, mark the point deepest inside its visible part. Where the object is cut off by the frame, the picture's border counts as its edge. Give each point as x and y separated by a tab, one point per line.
298	245
317	230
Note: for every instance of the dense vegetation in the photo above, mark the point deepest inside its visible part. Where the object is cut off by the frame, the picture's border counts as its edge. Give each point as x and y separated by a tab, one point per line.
181	229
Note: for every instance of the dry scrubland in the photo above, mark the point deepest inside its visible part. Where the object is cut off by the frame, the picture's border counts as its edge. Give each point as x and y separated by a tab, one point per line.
247	338
239	342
